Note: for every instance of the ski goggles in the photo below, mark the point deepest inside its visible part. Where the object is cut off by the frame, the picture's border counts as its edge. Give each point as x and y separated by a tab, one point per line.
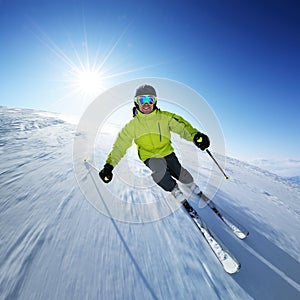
143	99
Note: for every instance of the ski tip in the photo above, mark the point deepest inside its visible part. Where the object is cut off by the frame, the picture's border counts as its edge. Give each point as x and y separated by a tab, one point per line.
237	269
85	159
240	234
232	267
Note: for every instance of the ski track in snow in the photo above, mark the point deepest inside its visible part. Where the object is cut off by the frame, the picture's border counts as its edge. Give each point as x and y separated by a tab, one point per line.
55	245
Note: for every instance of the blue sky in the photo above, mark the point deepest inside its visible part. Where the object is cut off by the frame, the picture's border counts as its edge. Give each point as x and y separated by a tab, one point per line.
241	56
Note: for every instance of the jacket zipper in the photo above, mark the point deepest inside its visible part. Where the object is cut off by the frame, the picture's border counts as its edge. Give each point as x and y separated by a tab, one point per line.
159	131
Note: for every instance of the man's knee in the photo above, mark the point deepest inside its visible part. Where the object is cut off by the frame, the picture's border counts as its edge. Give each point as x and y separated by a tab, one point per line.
185	176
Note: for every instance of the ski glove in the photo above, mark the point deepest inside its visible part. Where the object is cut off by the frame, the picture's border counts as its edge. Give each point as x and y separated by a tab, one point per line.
106	173
201	140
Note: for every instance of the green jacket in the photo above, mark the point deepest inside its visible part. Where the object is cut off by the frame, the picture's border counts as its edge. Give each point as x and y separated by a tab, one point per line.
152	135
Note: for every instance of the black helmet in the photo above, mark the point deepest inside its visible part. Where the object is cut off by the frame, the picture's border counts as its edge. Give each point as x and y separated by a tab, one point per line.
145	89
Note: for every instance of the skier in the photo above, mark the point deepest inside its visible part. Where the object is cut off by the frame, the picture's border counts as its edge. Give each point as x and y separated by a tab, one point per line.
151	130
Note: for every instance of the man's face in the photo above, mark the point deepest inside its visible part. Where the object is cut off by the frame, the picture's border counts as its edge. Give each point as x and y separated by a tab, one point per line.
146	108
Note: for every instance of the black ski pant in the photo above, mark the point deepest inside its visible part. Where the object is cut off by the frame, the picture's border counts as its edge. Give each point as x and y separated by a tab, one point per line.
165	169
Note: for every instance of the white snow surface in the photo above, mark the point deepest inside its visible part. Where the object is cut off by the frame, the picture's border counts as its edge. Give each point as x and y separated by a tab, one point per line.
55	245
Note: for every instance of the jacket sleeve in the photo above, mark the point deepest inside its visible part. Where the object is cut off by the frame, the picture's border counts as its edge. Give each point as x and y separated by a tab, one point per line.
182	127
121	144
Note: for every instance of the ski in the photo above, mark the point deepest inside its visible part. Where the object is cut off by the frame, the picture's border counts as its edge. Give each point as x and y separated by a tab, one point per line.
232	224
224	256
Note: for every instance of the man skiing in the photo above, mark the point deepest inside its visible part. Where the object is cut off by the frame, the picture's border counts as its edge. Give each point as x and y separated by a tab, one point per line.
151	129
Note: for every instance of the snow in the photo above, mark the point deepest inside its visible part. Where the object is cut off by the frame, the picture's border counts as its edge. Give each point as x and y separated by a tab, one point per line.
58	241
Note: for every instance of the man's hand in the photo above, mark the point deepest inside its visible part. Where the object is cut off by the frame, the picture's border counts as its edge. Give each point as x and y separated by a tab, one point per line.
106	173
201	140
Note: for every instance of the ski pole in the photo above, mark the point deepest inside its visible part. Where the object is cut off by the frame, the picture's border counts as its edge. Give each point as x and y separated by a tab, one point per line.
209	153
90	164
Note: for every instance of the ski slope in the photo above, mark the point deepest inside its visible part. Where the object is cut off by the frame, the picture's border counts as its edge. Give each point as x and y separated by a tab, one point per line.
55	242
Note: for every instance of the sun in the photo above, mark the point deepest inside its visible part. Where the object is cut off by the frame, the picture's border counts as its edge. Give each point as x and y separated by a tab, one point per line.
88	82
85	80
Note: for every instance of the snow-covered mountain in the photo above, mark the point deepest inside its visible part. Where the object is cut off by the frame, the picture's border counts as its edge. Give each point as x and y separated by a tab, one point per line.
287	168
55	245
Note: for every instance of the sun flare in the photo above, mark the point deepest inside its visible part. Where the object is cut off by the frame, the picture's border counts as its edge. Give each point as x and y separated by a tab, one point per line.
86	70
